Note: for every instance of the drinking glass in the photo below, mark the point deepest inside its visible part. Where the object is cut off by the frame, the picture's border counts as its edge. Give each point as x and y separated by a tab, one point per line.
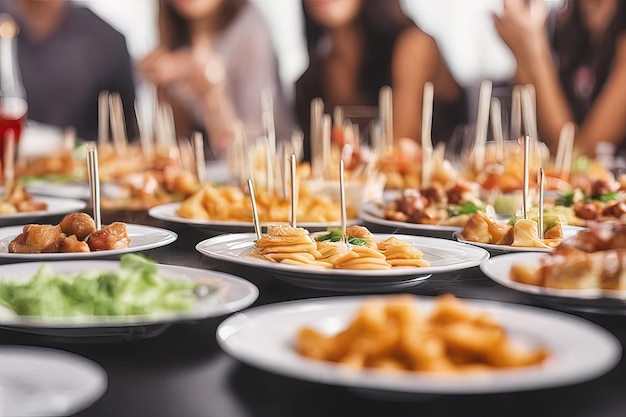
13	104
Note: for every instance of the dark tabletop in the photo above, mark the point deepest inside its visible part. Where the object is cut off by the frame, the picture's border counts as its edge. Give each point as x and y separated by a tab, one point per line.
179	370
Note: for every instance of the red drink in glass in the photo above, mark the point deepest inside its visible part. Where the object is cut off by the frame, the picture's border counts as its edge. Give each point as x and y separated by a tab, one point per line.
12	117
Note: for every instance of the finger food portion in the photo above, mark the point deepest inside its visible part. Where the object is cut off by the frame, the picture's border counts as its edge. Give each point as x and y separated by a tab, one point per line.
524	233
75	233
359	250
392	333
19	201
231	203
593	259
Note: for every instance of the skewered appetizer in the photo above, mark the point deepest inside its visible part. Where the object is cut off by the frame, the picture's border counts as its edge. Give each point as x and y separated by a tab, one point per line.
76	233
481	228
19	201
360	250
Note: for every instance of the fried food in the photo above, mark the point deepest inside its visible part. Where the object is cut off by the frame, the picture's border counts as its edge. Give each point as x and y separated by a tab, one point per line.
392	333
75	233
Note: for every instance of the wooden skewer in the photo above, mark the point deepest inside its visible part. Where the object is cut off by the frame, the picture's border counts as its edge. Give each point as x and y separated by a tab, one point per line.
496	125
541	181
317	110
427	142
565	141
516	113
482	120
118	125
294	190
342	197
198	148
297	143
385	103
146	136
103	117
94	182
526	185
255	210
326	144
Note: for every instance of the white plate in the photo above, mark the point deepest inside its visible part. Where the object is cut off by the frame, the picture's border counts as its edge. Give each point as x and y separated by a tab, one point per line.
591	300
56	206
167	212
38	381
77	190
443	255
370	213
141	238
264	337
233	294
568	231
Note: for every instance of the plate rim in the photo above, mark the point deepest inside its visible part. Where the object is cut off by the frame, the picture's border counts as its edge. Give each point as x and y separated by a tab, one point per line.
329	373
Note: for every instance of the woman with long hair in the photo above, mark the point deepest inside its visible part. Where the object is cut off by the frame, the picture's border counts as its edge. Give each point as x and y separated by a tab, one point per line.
579	73
214	64
356	47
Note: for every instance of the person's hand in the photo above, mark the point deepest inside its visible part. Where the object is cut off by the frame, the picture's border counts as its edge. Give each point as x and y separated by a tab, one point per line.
165	68
522	27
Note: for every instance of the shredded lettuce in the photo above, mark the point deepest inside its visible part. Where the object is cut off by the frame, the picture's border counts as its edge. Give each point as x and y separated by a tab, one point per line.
136	287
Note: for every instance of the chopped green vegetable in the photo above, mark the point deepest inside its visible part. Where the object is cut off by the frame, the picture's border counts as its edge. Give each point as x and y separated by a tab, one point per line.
334	235
466	208
136	287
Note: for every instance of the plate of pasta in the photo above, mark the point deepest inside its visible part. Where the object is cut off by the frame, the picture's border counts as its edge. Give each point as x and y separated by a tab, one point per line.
384	263
537	348
169	213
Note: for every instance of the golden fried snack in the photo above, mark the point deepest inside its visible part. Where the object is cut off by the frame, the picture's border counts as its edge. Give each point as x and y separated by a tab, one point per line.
79	224
392	333
112	236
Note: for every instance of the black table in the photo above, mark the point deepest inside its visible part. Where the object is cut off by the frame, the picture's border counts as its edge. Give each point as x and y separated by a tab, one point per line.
183	372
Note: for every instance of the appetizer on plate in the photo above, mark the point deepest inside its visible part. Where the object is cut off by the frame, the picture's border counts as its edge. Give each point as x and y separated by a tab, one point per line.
359	250
593	259
19	201
480	228
231	203
391	333
76	233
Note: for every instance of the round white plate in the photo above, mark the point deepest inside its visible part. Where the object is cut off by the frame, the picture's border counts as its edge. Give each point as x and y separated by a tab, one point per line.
370	213
568	231
141	238
56	206
591	300
443	255
264	337
168	212
233	294
77	190
38	381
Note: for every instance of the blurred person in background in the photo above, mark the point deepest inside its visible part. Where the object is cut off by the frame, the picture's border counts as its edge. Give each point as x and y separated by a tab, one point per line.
578	67
356	47
67	55
214	63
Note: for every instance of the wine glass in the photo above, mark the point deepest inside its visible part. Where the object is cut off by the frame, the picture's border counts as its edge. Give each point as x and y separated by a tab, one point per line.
13	104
